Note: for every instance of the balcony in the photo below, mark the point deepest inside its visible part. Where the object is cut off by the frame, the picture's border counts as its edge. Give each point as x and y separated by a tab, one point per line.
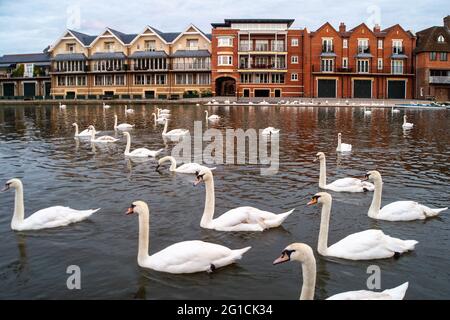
120	68
205	66
363	49
327	48
67	70
262	66
372	69
262	48
439	79
398	50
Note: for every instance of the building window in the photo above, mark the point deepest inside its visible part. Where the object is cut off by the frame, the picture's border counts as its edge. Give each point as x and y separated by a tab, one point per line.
441	39
433	56
380	64
327	45
109	46
294	42
345	43
261	78
192	44
397	46
345	63
149	45
225	42
363	46
160	79
363	66
294	76
245	45
120	80
81	81
246	77
397	66
262	45
294	59
277	78
61	81
225	60
278	45
380	44
327	65
443	56
204	78
28	72
70	47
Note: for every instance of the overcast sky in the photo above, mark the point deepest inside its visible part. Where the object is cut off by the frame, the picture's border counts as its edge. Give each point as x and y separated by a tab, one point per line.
30	25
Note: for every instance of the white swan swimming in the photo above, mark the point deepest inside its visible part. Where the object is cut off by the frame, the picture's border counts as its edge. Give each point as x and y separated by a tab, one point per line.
140	152
367	111
62	106
122	126
365	245
213	117
182	257
304	254
398	210
84	133
238	219
106	106
269	131
51	217
340	185
343	147
102	139
128	110
394	110
158	120
407	125
190	167
175	133
163	112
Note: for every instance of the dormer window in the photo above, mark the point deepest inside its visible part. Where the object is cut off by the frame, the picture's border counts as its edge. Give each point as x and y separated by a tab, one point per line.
441	39
70	47
109	46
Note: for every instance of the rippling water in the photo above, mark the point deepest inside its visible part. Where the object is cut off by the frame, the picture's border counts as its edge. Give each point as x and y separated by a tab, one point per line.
37	145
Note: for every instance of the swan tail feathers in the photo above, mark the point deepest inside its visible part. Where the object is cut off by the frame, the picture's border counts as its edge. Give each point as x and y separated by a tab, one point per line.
158	152
213	168
433	212
398	293
400	246
273	223
237	254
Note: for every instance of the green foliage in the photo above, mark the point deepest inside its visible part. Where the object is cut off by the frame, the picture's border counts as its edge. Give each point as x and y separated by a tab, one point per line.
19	71
206	93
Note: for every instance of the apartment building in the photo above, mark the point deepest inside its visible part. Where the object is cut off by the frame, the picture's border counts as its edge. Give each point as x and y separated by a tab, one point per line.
151	64
361	62
432	62
257	58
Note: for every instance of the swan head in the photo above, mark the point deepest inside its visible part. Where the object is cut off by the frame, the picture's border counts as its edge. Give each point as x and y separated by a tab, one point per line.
91	127
319	156
320	197
74	124
139	207
204	175
372	175
126	134
13	183
295	252
339	135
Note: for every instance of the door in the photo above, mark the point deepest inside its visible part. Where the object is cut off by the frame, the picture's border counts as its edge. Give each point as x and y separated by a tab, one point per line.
396	89
246	93
277	93
8	89
262	93
48	87
442	94
29	89
362	89
326	88
150	94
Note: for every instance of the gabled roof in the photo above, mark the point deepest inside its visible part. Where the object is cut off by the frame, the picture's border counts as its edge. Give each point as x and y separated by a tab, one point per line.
116	34
197	30
326	24
25	58
164	37
427	40
362	25
85	39
386	31
125	38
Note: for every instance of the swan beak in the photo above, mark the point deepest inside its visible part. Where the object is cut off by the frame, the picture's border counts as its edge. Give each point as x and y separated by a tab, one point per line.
157	168
366	177
283	258
313	201
197	181
130	211
315	159
6	188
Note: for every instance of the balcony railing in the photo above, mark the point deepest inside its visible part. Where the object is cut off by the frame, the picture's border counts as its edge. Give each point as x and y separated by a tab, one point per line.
263	48
262	66
439	79
327	48
398	50
148	68
373	69
191	66
363	49
66	70
124	67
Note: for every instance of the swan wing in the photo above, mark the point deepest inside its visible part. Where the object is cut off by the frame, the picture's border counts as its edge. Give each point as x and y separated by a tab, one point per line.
406	211
193	256
105	139
350	185
53	217
397	293
177	132
368	245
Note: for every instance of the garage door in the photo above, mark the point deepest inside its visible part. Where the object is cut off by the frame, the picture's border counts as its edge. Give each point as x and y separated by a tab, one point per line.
8	89
29	89
362	88
326	88
262	93
396	89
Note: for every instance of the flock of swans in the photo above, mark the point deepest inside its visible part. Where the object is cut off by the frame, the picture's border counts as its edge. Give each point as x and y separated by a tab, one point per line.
199	256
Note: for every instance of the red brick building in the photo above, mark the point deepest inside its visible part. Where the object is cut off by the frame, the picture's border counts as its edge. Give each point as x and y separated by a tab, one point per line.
432	63
361	63
257	58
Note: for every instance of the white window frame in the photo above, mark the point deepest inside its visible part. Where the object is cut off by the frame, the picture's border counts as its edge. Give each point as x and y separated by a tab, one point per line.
327	65
294	59
363	66
397	43
222	43
294	76
441	39
397	65
380	43
294	42
380	64
225	60
345	43
345	63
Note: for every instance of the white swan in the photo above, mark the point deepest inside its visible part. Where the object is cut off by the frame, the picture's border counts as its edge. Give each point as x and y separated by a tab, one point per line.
84	133
182	257
62	106
238	219
394	110
158	120
367	112
213	117
141	152
190	167
304	254
122	126
51	217
102	139
365	245
340	185
406	125
269	131
398	210
128	110
106	106
343	147
162	111
173	133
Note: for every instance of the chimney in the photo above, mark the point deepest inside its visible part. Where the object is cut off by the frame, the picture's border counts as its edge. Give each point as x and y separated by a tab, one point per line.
447	22
376	28
342	27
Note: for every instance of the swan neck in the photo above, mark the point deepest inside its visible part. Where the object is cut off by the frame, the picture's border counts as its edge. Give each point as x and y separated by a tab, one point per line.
76	129
173	163
166	123
19	212
208	213
127	148
323	174
324	226
144	239
309	279
339	142
115	121
206	114
374	209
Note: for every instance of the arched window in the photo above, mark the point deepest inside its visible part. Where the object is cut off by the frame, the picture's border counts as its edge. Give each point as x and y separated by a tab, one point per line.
441	39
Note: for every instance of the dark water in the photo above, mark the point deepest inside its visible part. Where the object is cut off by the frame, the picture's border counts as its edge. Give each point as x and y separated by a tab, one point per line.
37	145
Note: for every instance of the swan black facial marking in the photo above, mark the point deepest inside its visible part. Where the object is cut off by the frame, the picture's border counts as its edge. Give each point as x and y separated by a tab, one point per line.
288	253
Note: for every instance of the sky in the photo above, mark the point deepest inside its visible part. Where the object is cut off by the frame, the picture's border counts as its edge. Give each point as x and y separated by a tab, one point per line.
28	26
